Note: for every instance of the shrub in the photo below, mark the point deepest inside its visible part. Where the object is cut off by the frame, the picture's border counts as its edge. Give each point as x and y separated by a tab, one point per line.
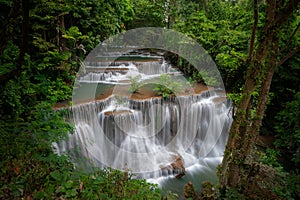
166	86
136	84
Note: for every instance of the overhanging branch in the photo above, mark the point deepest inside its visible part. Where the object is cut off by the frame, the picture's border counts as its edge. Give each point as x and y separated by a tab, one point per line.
290	54
291	38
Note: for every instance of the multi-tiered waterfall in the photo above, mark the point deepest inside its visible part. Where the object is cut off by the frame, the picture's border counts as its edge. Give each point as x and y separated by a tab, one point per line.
151	136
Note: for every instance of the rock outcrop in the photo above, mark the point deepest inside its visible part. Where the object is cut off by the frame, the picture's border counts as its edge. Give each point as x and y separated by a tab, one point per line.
176	167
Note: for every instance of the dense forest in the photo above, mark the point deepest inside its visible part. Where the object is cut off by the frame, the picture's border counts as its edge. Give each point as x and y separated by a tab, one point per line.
255	45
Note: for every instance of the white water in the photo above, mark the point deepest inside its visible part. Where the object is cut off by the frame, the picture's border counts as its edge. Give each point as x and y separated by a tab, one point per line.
116	72
146	136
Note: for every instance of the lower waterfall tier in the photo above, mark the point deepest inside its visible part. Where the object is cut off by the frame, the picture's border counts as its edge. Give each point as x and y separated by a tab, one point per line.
152	137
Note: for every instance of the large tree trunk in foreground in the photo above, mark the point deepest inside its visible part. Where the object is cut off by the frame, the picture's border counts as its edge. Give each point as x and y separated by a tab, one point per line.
262	63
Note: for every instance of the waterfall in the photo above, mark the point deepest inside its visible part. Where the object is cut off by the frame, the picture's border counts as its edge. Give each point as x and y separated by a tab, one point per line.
148	136
145	135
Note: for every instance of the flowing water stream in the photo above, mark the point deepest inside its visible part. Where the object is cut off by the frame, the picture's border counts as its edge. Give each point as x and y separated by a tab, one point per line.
167	141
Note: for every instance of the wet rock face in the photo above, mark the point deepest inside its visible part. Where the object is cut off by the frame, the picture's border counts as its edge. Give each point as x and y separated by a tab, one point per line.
117	112
176	168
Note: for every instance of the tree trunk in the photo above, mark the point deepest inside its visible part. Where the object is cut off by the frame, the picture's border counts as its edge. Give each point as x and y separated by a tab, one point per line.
261	67
253	130
63	43
25	32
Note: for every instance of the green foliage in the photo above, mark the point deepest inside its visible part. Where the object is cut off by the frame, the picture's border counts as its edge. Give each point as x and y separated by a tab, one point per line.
112	184
270	157
207	78
26	150
136	84
74	36
210	191
232	194
29	168
291	187
288	129
44	175
20	94
190	82
234	97
59	91
148	13
61	33
120	100
9	58
222	28
12	98
198	27
101	19
167	86
102	184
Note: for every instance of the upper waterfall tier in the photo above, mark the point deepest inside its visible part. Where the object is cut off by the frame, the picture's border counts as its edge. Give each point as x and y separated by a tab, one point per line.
104	76
116	70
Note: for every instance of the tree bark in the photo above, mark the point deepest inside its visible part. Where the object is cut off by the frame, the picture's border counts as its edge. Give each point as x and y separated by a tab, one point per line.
261	67
253	130
25	32
63	43
254	28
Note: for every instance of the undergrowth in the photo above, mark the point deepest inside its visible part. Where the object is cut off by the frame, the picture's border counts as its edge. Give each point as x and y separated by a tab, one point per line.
31	170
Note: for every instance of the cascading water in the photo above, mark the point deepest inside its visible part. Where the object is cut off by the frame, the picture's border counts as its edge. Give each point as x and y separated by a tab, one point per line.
153	137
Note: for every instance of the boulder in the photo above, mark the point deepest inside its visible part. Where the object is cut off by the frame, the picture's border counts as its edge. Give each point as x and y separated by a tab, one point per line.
176	167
